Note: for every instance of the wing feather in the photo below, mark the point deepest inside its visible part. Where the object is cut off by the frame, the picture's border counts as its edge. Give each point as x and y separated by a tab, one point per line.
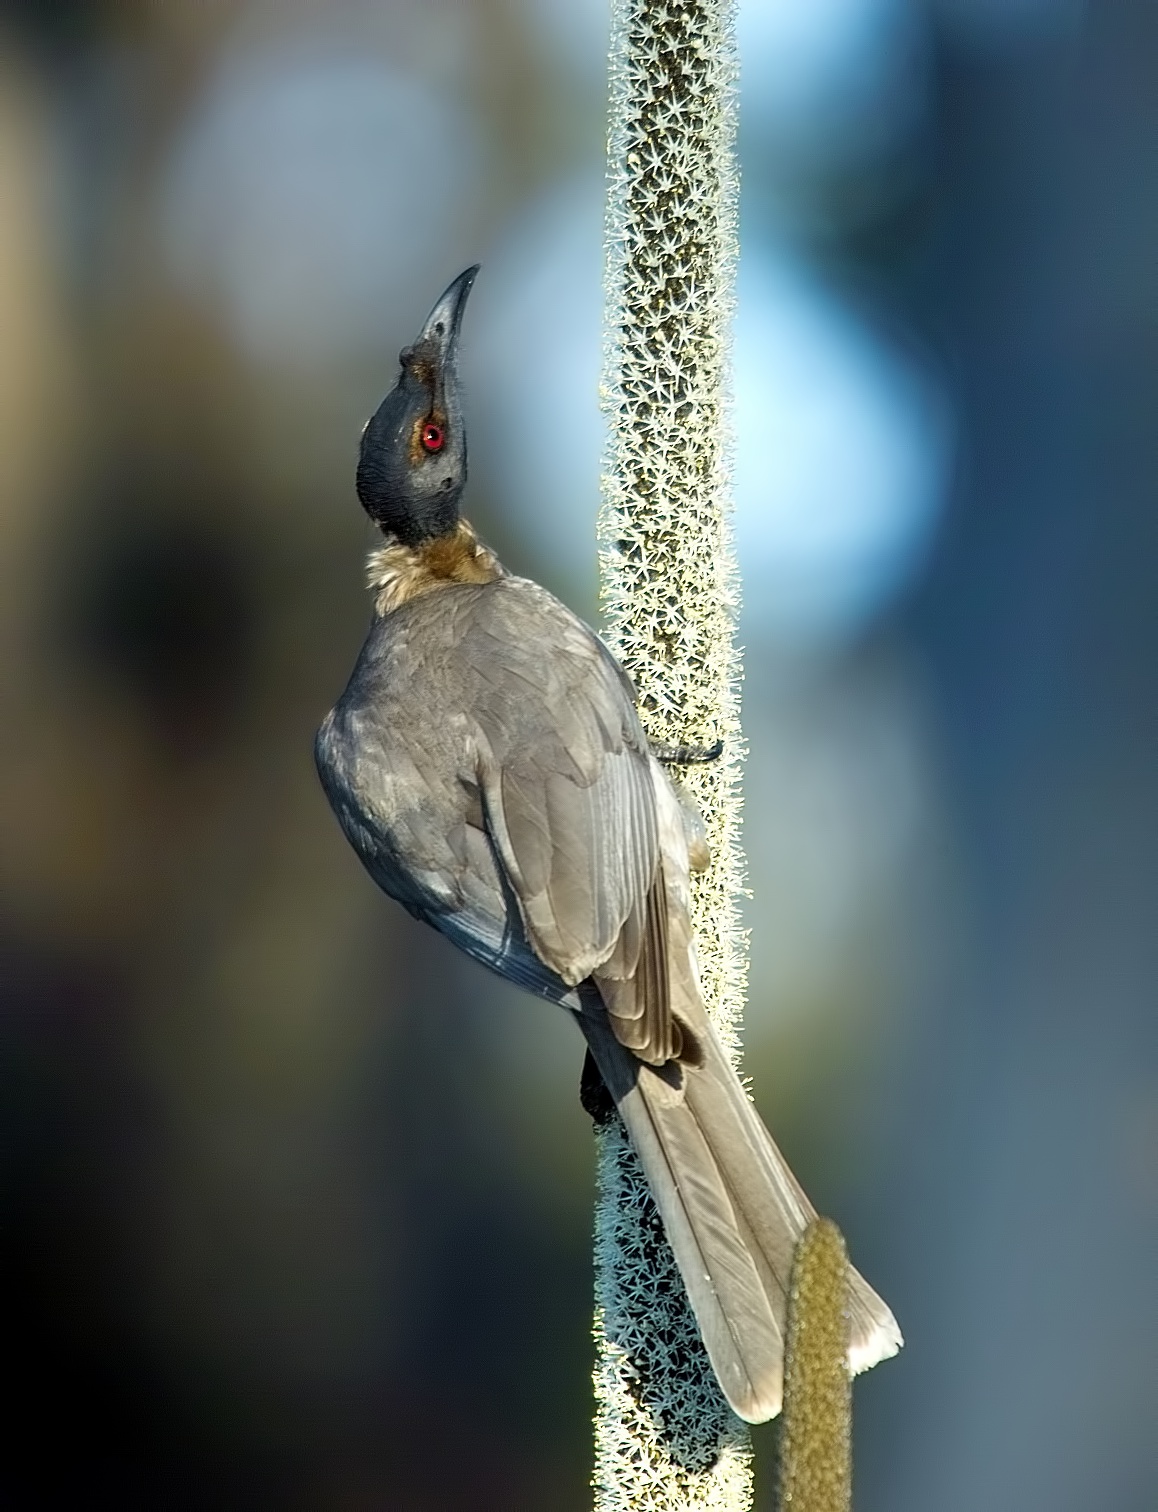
569	797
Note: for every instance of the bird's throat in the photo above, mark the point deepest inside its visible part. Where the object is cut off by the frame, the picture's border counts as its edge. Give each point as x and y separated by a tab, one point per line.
397	573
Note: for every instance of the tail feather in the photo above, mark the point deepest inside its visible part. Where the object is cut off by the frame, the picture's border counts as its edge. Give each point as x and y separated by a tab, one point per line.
732	1210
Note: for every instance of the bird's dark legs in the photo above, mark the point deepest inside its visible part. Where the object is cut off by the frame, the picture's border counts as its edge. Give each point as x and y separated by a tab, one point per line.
682	755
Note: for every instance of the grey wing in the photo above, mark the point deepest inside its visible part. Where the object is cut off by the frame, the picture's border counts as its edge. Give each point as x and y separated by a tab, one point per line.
569	796
430	851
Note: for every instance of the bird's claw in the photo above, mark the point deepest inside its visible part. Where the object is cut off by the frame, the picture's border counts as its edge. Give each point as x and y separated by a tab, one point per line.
685	755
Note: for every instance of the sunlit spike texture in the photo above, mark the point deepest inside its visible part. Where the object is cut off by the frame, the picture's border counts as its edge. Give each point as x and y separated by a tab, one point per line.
664	1438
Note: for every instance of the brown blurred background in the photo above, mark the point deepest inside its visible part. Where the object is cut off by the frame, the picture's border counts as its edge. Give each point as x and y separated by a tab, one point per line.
289	1223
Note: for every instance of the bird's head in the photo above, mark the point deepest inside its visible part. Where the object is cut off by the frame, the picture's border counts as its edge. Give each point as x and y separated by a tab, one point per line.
412	465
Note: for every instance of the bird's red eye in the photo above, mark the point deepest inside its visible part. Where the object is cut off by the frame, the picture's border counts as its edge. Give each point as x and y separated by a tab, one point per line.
432	437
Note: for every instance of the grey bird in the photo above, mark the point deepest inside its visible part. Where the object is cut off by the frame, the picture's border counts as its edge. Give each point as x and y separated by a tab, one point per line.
487	763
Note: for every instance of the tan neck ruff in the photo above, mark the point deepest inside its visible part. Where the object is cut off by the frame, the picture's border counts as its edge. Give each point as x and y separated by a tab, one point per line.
396	573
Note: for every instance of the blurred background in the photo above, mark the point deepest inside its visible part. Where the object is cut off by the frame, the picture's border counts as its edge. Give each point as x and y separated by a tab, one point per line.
290	1222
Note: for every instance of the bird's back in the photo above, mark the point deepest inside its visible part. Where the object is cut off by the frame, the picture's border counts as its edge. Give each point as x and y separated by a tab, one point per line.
465	686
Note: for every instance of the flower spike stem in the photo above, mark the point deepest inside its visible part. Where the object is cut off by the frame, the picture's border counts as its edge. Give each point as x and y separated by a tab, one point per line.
665	1440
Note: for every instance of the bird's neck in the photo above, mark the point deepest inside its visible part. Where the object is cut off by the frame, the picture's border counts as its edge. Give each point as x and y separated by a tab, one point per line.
397	573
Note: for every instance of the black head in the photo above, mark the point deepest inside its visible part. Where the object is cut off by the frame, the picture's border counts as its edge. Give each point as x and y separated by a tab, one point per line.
412	466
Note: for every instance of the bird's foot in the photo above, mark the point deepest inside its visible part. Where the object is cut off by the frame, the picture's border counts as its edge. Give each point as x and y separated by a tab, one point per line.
685	755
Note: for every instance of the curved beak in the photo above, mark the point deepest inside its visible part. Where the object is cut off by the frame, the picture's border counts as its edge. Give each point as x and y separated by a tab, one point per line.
444	322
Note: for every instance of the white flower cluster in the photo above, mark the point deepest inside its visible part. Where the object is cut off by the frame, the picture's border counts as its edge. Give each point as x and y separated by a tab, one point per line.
664	1438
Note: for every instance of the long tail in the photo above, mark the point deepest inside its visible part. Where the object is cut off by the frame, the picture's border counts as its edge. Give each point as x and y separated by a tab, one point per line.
732	1211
